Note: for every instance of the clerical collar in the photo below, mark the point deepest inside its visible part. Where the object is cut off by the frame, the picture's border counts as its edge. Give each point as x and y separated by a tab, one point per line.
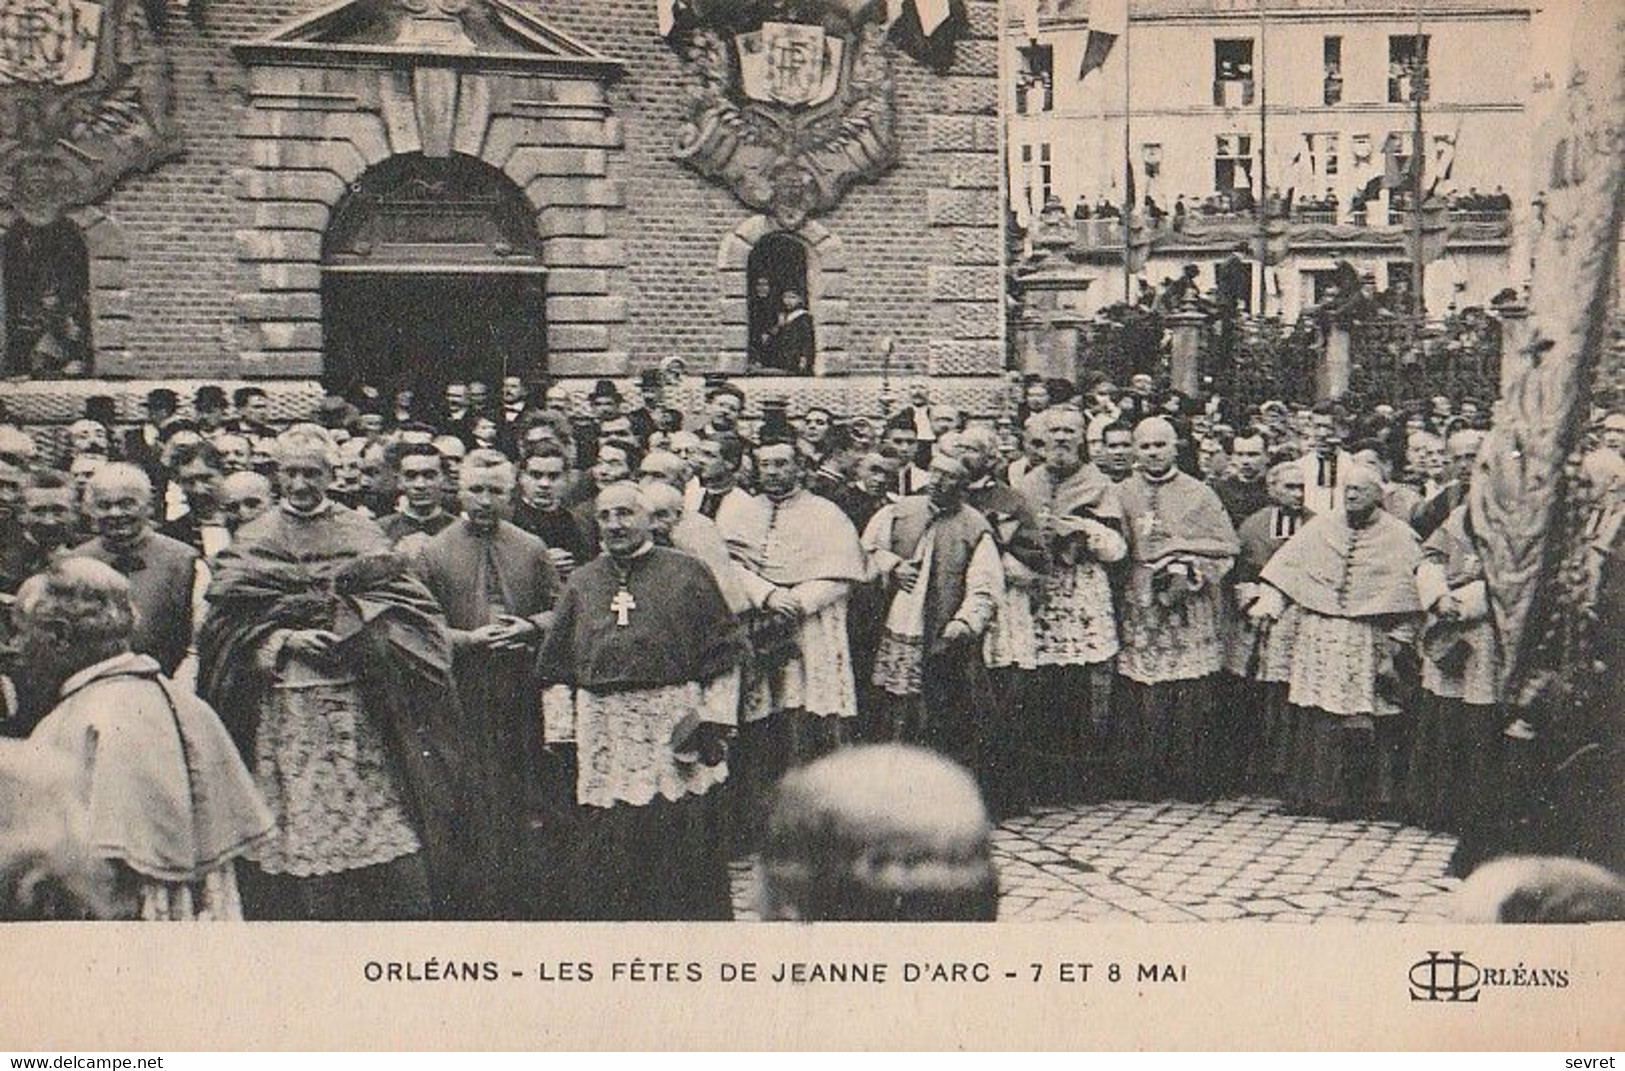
407	510
1167	477
647	547
324	506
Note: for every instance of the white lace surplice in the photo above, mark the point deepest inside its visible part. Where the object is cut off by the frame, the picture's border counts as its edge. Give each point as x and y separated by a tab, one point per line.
819	680
624	749
1172	644
322	766
1335	664
1076	624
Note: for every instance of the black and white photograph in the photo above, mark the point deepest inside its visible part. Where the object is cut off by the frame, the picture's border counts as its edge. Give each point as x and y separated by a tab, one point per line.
1069	461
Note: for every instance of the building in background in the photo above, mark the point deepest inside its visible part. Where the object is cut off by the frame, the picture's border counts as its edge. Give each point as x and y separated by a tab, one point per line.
293	193
1306	109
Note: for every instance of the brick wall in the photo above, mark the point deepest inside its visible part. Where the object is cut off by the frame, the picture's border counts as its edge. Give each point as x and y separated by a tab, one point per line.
212	283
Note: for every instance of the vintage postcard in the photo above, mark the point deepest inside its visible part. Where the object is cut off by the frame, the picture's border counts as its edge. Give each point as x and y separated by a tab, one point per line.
849	524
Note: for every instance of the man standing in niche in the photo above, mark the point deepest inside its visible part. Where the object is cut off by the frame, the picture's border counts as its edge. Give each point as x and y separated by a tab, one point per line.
764	321
791	346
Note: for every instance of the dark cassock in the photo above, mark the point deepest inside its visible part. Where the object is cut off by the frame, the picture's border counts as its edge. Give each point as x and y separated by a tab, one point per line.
208	538
1258	658
1454	737
1182	546
1349	591
1009	647
933	687
1241	498
1075	634
639	657
357	753
478	576
560	528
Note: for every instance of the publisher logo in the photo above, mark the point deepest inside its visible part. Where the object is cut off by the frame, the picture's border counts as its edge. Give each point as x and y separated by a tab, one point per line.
1445	976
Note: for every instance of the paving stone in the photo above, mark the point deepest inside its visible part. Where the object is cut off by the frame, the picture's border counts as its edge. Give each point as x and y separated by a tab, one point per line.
1122	862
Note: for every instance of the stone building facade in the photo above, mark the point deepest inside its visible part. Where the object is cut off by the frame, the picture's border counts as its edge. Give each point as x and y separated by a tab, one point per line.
334	165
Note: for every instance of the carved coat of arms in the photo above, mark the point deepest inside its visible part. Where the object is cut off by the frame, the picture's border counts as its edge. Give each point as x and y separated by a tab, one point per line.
85	98
789	113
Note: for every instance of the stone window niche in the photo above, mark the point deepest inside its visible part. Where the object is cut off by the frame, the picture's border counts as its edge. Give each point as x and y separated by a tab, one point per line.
45	301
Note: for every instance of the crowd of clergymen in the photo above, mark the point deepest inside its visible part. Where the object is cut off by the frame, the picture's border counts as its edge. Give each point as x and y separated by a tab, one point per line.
547	657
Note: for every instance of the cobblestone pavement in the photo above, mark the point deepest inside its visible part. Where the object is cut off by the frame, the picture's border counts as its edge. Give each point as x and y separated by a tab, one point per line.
1232	859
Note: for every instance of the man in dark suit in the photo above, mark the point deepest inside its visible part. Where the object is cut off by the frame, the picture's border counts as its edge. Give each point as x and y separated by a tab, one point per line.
199	470
544	476
792	347
1462	448
165	579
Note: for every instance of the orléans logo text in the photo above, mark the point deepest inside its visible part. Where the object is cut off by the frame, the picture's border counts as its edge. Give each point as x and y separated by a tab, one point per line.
1450	977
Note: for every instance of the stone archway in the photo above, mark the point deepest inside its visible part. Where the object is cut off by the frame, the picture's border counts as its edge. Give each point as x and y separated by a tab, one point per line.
826	292
432	272
534	107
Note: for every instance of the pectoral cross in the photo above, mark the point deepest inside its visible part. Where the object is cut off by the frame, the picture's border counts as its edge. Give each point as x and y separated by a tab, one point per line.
622	606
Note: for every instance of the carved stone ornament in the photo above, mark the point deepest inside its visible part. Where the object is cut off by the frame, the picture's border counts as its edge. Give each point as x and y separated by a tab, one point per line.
789	115
85	98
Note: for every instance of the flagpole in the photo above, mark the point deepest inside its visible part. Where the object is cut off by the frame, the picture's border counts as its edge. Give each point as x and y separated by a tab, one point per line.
1262	207
1421	79
1128	164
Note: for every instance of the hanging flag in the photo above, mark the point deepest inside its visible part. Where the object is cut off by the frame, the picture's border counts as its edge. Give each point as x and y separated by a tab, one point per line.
1369	191
1519	496
1108	20
1444	156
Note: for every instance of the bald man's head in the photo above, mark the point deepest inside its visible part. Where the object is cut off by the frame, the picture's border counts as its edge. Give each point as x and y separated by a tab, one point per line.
1362	491
243	497
118	498
887	833
665	504
1155	446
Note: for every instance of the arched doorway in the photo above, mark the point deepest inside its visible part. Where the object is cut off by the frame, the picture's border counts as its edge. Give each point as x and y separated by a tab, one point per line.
432	273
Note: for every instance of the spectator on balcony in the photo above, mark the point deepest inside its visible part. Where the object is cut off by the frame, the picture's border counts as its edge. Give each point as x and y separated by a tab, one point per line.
1154	213
1081	209
1180	212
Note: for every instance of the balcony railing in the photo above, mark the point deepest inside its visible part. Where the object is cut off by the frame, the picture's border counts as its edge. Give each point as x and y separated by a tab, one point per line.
1316	227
